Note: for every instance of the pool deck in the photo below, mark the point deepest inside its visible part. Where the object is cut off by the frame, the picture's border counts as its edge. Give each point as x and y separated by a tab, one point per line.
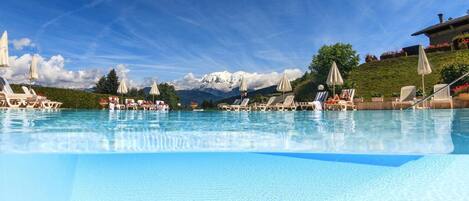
387	105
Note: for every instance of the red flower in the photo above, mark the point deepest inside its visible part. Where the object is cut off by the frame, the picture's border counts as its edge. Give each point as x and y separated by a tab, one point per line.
461	88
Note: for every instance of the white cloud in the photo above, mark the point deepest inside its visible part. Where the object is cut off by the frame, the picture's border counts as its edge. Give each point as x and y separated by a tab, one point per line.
19	44
52	72
227	81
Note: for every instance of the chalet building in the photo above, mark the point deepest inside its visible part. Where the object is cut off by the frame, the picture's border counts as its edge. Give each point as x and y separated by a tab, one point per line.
445	31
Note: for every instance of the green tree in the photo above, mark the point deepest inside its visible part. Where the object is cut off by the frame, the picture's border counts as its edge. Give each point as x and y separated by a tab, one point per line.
101	85
168	95
343	54
207	104
112	82
136	93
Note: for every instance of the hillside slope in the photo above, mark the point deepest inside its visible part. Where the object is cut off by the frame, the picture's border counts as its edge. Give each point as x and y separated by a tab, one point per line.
388	76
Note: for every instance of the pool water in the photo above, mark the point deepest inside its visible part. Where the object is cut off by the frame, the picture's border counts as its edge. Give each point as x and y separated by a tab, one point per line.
137	155
377	132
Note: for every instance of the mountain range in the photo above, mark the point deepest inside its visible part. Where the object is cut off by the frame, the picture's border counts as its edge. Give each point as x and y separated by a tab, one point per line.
223	85
199	95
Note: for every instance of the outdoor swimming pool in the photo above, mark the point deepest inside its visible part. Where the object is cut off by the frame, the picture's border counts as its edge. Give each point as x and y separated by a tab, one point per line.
140	155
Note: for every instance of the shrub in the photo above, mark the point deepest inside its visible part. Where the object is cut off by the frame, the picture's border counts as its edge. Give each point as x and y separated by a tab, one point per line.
395	94
370	58
392	54
461	41
461	89
376	95
453	71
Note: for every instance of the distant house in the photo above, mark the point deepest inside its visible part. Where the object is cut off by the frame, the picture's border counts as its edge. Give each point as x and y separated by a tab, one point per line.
445	31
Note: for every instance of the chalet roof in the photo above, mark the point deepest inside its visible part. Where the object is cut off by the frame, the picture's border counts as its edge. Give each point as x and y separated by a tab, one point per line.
445	25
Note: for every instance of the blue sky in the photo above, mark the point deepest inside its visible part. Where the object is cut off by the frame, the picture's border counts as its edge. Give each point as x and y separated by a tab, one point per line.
168	39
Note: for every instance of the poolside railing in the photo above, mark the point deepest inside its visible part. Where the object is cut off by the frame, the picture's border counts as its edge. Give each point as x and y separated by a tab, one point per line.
442	88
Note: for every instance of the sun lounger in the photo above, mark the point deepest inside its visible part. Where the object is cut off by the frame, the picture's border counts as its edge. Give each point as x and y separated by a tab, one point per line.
144	104
288	104
318	102
442	96
45	103
10	99
321	97
345	102
407	97
264	106
278	100
227	107
42	101
131	104
242	106
34	100
114	103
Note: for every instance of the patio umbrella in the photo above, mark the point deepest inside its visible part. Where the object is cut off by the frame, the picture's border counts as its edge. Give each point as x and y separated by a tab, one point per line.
154	90
423	67
243	86
122	89
4	50
284	84
33	75
334	77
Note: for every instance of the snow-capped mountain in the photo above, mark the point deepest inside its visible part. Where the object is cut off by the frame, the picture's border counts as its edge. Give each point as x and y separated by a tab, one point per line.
221	85
226	82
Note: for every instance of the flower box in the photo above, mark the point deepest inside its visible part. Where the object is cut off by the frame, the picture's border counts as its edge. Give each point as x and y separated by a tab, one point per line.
438	48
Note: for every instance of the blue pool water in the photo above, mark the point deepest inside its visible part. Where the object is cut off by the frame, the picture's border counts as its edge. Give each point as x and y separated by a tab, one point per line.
136	155
367	132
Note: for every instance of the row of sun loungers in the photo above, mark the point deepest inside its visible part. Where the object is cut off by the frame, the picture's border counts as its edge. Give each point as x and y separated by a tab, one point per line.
408	97
27	99
279	103
131	104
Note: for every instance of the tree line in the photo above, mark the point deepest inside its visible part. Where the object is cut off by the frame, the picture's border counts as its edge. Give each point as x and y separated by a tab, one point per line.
109	83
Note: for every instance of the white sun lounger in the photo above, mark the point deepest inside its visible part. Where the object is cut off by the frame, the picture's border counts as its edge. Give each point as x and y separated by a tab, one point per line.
318	102
242	106
14	100
228	107
348	102
407	97
265	106
288	104
45	103
442	96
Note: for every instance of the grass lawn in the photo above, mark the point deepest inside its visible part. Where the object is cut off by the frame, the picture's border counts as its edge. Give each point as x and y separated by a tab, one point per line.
388	76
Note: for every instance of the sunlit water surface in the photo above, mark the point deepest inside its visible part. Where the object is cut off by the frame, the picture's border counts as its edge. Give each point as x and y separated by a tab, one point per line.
388	132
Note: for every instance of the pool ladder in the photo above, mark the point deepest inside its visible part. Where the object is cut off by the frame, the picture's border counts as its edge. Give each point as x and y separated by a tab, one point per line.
442	88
